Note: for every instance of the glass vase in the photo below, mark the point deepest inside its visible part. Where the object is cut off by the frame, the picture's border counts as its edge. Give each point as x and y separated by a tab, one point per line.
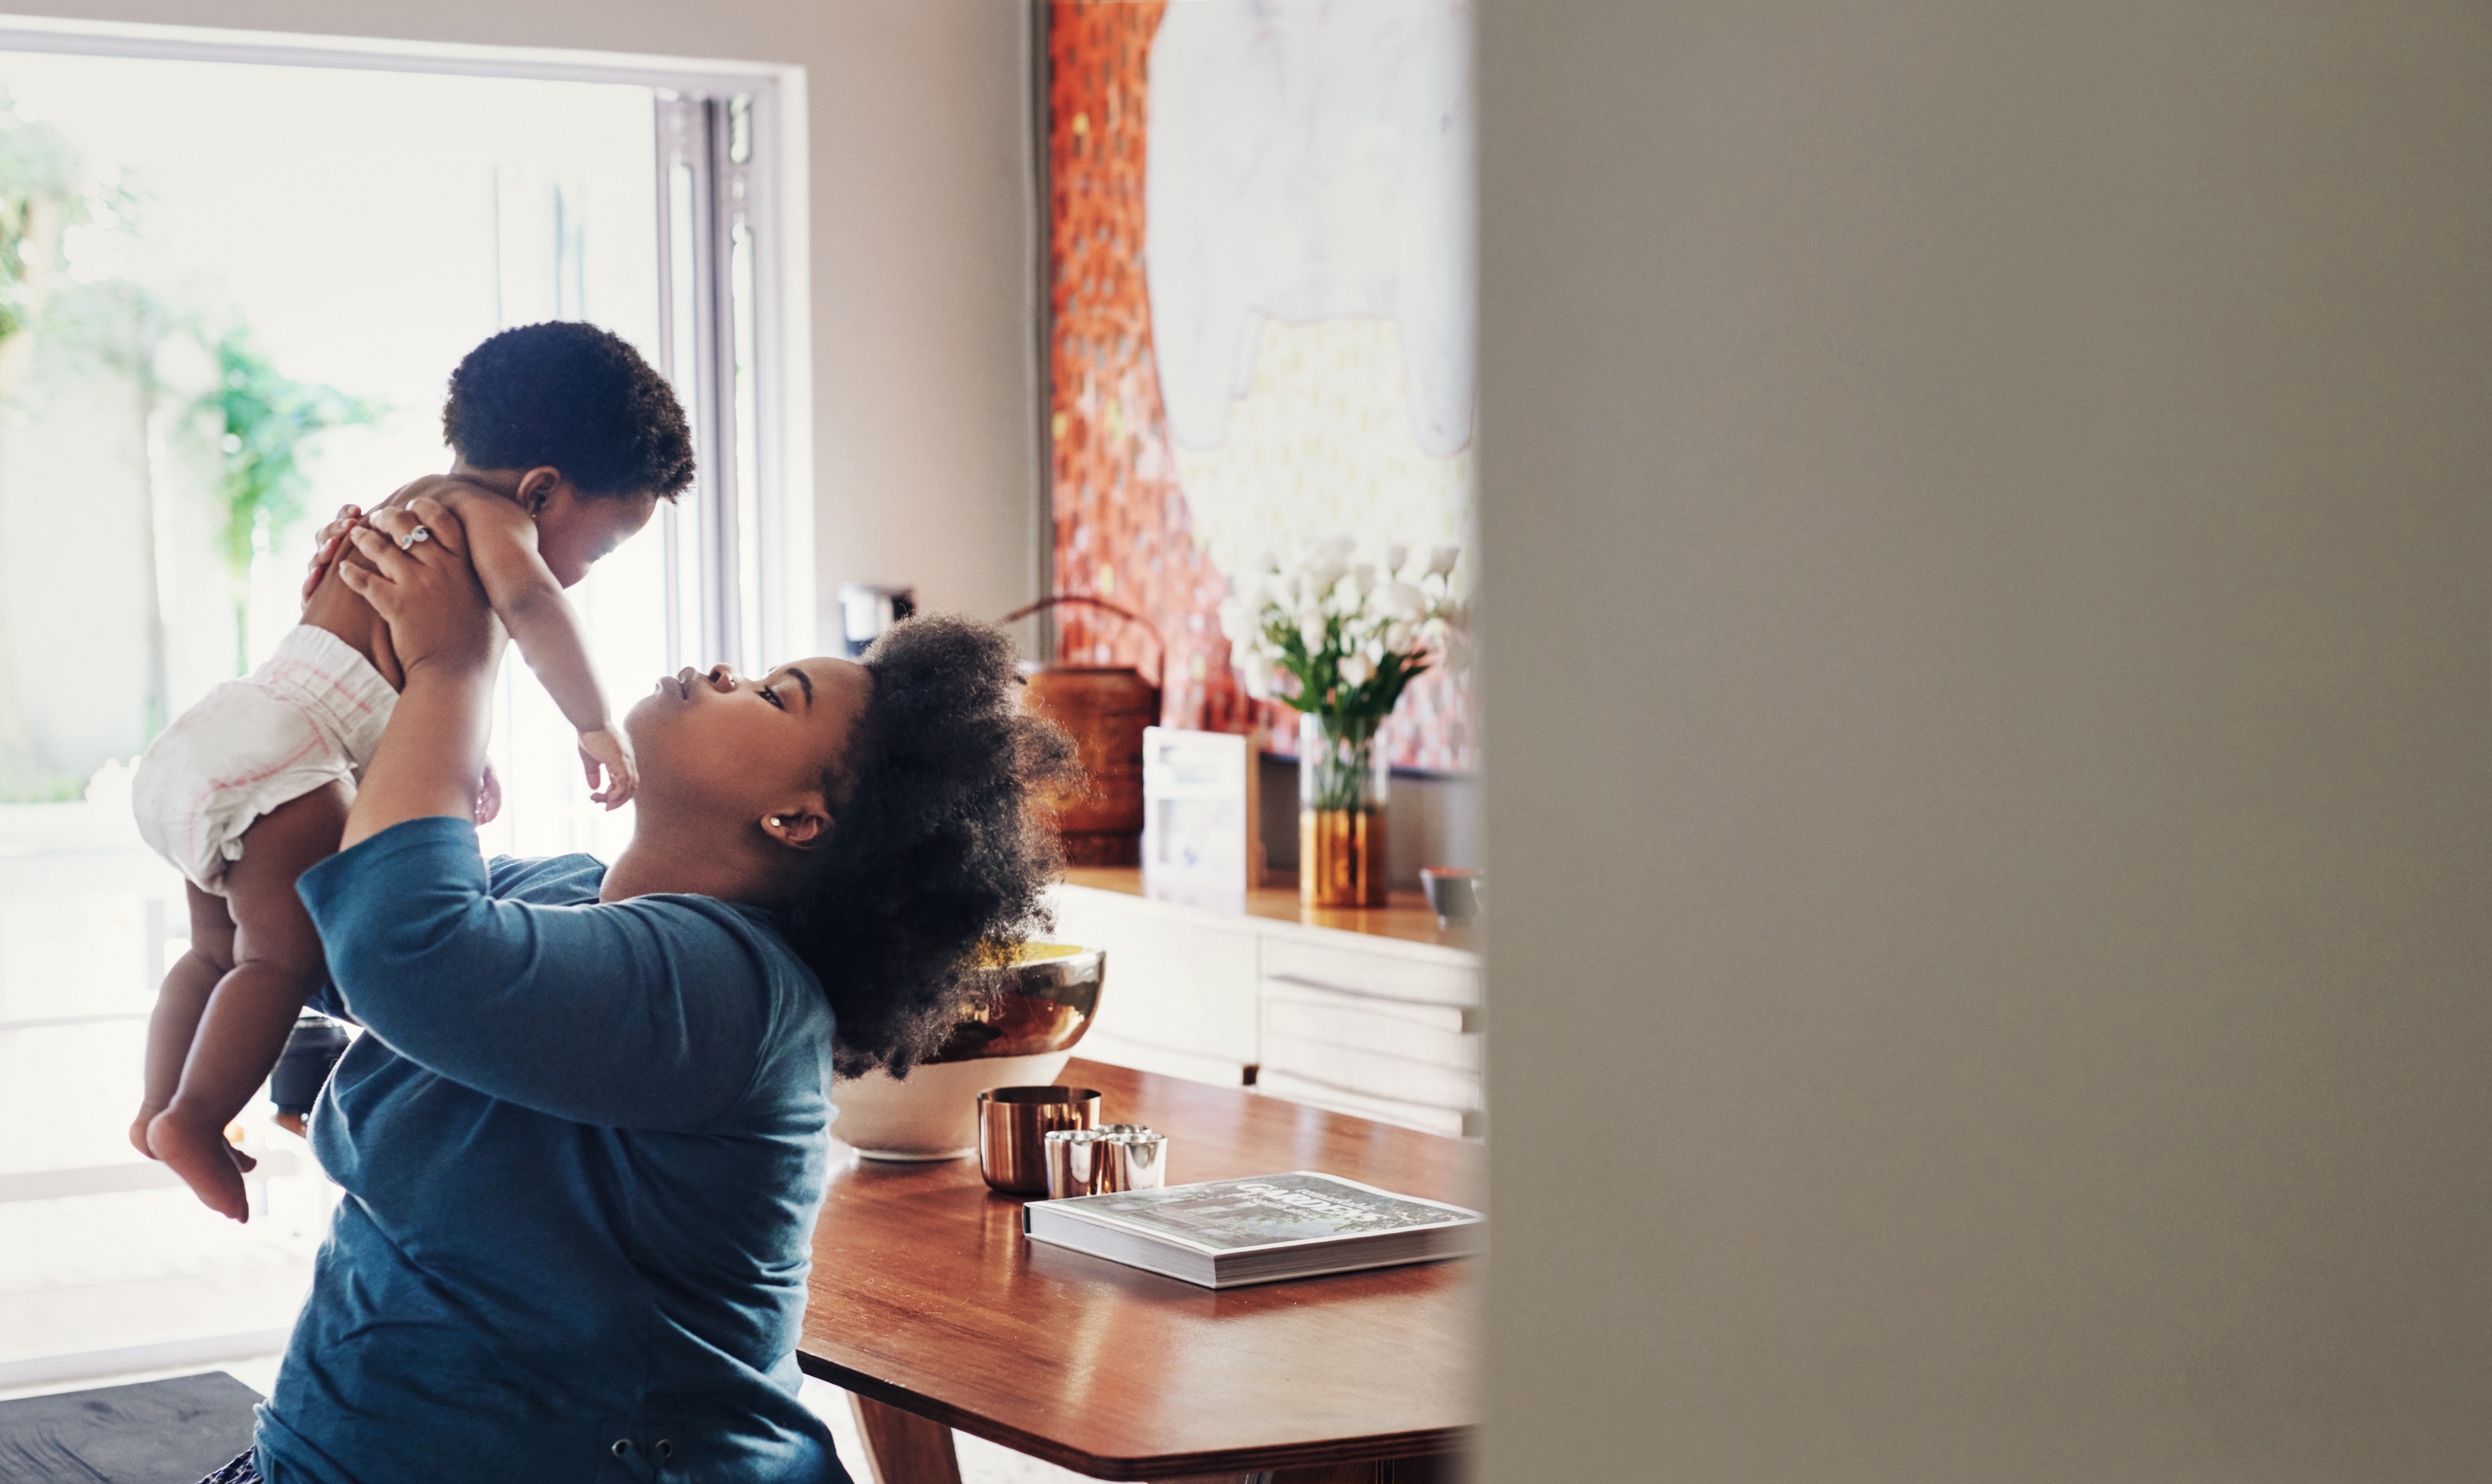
1342	782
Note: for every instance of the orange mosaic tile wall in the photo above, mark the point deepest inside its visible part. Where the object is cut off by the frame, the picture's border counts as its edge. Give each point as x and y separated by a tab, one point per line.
1122	530
1122	533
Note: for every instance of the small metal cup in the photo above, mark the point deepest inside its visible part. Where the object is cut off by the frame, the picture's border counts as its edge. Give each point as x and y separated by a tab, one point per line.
1073	1162
1101	1161
1012	1124
1138	1160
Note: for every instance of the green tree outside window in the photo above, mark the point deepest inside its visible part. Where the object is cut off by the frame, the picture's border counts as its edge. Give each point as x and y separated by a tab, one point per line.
260	418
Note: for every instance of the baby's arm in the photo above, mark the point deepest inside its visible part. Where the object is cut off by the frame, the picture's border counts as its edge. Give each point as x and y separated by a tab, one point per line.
502	543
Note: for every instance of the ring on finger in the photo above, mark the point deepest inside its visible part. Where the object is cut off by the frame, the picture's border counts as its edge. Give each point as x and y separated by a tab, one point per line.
406	542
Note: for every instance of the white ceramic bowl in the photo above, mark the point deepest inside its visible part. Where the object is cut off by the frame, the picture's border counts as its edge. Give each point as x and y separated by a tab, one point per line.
933	1115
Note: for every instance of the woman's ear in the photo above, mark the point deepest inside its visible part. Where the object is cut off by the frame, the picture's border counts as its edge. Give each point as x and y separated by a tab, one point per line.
800	828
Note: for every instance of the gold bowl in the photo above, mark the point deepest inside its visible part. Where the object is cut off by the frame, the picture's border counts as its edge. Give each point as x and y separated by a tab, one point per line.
1023	1031
1042	1002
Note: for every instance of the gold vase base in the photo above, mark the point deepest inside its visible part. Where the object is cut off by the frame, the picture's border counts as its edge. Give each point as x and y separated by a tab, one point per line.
1341	857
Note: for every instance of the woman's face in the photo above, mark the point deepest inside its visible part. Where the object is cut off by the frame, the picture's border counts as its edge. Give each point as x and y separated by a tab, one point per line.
745	751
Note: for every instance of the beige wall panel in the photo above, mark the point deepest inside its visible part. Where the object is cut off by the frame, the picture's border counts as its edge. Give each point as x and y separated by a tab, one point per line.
1989	700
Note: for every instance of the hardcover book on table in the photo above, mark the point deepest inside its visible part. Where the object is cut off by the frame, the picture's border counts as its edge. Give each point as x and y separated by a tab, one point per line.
1222	1234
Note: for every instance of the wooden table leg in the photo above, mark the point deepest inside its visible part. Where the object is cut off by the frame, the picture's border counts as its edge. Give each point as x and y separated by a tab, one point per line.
902	1448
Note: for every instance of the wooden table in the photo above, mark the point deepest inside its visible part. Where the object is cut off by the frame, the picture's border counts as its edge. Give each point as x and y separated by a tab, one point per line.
929	1306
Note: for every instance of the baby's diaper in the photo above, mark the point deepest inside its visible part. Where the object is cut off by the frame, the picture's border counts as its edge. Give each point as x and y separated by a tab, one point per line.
309	715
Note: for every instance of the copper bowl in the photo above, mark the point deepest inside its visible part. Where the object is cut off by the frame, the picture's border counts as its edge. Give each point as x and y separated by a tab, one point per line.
1021	1034
1041	1002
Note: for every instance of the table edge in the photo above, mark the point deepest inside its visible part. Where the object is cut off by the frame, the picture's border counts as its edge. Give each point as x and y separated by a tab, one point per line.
1422	1442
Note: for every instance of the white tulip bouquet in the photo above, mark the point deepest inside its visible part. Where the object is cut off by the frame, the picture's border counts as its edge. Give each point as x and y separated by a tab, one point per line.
1351	635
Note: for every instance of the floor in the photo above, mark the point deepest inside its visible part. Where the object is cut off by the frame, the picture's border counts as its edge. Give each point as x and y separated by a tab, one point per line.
107	1274
148	1279
981	1462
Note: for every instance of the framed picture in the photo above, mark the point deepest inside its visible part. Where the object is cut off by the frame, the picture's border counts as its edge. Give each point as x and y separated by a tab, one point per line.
1201	842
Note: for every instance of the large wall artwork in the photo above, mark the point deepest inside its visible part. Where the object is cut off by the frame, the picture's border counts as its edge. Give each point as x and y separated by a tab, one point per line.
1261	243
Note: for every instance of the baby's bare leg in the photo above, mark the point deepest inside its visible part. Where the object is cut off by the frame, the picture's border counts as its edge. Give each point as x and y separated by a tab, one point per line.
179	1003
277	964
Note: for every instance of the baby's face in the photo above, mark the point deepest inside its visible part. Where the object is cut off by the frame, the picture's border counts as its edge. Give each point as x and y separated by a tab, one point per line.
574	529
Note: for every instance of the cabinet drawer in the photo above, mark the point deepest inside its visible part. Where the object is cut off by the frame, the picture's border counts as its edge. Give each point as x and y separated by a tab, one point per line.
1378	975
1427	1033
1398	1078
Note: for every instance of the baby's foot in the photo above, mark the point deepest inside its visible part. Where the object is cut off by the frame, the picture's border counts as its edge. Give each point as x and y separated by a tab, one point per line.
195	1149
147	1112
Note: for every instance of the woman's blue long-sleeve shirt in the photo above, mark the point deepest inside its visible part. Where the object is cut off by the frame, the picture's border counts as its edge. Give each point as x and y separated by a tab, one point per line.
581	1146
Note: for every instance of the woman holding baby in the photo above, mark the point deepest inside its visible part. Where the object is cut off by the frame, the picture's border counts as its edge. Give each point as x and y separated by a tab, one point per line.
583	1139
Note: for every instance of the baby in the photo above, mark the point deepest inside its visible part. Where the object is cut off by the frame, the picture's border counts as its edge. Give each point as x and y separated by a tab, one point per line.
566	440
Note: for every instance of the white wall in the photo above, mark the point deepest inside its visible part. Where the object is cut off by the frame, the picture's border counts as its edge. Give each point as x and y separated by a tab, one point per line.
920	282
1990	715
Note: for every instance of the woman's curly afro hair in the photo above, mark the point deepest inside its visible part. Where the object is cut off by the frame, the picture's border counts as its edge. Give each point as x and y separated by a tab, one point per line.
937	853
573	397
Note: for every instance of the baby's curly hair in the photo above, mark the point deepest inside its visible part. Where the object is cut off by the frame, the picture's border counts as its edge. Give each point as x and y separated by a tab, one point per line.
938	850
573	396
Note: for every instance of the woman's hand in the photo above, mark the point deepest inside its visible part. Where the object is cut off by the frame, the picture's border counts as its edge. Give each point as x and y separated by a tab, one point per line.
432	752
423	587
333	541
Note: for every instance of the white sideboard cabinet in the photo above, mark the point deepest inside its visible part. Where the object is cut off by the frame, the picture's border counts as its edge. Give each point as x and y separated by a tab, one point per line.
1373	1012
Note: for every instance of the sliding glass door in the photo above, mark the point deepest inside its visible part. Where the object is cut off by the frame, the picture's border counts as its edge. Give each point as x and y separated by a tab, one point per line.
195	230
702	586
